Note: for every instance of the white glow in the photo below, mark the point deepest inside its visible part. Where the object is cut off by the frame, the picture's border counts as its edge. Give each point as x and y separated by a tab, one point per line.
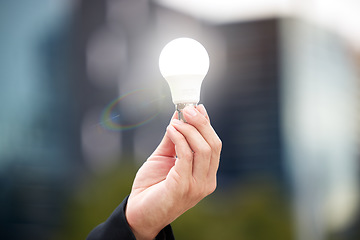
184	56
341	17
222	11
184	63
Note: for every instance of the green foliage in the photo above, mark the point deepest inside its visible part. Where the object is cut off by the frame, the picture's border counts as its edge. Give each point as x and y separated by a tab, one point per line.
252	211
94	201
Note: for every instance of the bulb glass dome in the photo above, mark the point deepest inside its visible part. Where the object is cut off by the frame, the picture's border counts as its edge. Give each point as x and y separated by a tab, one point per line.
184	63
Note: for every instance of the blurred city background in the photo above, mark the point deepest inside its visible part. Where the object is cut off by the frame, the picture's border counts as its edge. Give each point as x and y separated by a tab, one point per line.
83	104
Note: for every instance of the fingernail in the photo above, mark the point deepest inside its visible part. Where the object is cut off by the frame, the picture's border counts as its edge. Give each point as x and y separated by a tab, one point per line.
191	111
201	106
176	122
202	109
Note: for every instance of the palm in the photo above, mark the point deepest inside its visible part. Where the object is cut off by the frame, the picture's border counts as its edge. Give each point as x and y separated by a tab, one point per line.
156	175
153	172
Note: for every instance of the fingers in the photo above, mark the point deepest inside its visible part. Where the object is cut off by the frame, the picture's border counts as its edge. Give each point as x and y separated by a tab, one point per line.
166	146
200	149
203	111
195	118
184	162
196	145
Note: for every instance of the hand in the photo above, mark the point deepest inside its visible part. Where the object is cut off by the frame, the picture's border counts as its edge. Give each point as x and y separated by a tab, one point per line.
180	172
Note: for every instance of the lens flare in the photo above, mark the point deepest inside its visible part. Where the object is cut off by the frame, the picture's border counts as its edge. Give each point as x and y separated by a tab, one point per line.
119	113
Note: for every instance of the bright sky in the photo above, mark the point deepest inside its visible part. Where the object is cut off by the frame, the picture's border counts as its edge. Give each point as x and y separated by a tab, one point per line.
340	16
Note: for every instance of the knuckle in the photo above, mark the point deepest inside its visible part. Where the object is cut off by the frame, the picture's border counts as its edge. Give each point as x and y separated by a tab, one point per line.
205	156
200	121
218	145
211	187
206	151
188	155
203	122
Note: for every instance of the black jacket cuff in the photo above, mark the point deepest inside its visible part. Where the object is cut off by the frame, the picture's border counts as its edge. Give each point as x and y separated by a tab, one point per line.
116	227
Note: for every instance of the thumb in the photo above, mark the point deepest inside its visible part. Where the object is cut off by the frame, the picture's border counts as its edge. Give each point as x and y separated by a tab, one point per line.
166	146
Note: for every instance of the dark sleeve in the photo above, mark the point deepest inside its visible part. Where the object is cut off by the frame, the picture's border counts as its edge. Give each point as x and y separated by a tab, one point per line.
116	227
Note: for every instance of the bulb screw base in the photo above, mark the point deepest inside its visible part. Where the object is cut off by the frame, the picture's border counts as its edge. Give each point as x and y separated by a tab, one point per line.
180	107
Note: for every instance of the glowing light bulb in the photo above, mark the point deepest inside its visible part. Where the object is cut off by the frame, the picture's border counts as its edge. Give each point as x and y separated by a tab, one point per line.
184	63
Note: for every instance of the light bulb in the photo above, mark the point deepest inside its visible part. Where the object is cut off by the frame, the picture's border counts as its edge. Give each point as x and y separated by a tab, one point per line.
184	63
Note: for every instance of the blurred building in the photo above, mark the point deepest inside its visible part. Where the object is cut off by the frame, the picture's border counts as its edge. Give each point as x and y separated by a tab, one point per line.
320	108
246	102
39	125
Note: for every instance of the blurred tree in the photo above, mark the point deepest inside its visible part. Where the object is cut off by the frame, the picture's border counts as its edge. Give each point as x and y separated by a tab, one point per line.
252	211
94	200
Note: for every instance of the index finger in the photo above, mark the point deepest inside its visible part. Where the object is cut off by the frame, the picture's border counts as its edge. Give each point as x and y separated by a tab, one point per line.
203	111
201	123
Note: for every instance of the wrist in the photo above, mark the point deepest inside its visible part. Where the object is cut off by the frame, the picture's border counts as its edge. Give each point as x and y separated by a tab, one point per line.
142	227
